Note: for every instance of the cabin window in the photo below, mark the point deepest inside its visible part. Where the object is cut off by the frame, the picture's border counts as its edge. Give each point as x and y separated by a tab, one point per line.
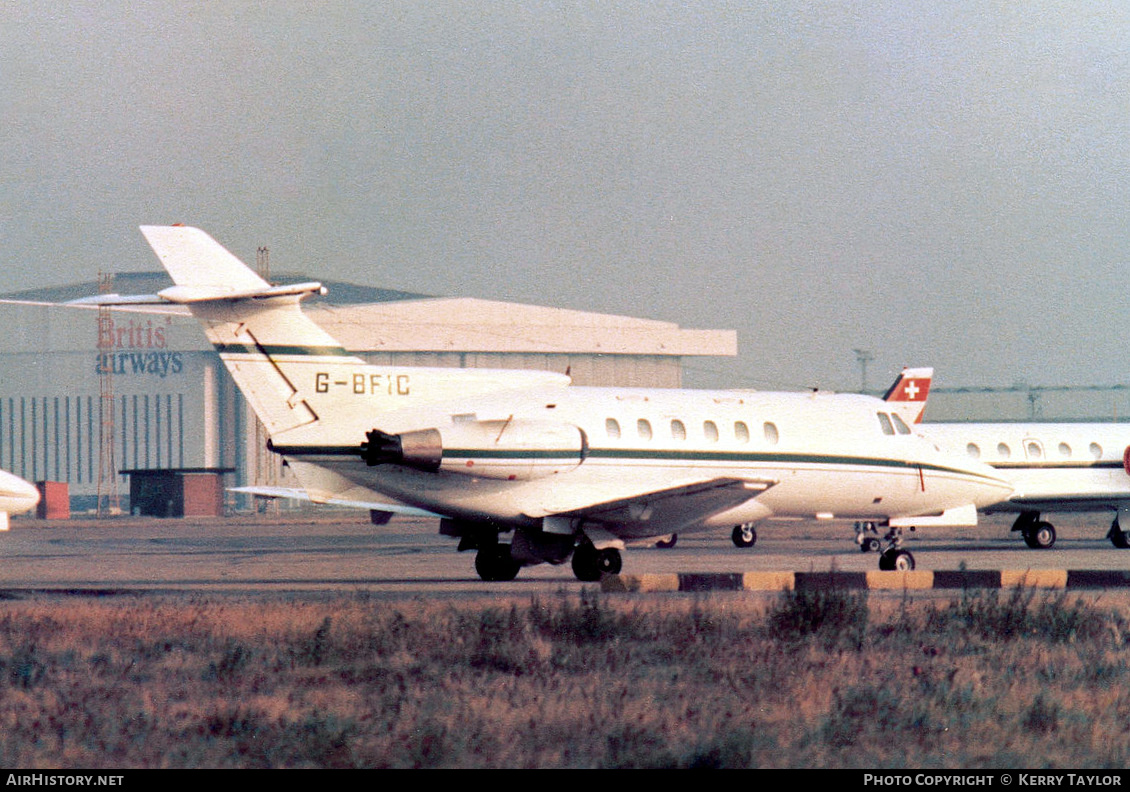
710	429
612	428
885	422
1096	450
1003	451
678	430
643	427
900	426
973	450
771	433
741	431
1034	450
1065	450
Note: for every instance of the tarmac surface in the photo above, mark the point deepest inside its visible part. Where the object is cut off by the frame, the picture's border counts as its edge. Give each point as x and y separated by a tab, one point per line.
341	552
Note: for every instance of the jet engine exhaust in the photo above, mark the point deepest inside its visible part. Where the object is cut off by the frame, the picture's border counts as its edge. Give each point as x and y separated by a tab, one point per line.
422	449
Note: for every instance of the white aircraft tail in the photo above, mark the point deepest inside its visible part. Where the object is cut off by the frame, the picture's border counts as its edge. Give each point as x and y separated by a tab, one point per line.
909	392
292	372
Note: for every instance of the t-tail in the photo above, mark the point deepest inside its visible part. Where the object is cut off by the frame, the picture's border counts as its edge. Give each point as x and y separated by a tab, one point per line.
909	392
295	375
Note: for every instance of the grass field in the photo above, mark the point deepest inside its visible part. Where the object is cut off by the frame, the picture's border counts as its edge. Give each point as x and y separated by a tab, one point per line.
1008	679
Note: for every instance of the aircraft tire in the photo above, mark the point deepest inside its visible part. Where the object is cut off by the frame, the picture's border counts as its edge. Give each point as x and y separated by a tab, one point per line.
584	564
870	545
1118	537
609	562
896	561
744	536
1040	536
589	563
495	564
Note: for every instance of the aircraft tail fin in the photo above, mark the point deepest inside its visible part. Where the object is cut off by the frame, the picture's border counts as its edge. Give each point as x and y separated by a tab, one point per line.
259	330
909	392
293	373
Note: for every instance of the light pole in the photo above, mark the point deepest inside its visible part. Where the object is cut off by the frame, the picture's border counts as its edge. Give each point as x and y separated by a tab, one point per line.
864	357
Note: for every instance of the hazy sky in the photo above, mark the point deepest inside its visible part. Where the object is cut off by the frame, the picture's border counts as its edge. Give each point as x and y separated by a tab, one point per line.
942	184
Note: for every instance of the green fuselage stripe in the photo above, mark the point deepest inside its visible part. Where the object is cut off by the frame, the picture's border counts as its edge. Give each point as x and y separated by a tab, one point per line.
1055	465
639	454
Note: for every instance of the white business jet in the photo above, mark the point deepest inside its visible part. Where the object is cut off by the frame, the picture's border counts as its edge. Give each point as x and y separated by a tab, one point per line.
16	497
1053	467
525	468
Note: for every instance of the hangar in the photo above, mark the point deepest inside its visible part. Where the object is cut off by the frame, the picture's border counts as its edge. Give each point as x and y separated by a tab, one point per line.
152	388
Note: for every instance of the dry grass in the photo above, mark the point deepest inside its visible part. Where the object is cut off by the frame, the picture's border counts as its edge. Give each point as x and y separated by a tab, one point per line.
1025	680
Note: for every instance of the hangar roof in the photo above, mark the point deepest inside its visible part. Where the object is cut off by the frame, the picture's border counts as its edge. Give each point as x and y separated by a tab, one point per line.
368	319
473	325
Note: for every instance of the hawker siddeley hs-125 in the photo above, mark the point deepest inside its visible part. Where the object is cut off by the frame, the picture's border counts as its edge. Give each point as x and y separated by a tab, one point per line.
525	468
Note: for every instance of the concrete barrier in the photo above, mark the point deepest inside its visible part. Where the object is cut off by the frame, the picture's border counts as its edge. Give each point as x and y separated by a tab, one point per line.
918	580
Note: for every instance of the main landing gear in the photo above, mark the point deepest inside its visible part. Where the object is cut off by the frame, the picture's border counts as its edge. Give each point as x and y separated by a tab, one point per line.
867	537
589	563
1038	534
1118	537
497	561
494	563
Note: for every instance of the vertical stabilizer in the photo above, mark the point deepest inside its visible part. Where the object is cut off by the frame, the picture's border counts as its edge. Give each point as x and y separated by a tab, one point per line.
260	331
293	372
909	392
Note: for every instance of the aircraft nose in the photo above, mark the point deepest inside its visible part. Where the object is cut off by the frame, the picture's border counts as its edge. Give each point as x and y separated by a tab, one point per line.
16	494
990	487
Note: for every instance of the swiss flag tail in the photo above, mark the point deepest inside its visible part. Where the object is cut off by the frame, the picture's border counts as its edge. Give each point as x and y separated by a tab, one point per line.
909	392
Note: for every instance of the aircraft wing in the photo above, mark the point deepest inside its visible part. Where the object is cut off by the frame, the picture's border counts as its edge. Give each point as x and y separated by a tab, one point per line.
1066	502
666	511
297	493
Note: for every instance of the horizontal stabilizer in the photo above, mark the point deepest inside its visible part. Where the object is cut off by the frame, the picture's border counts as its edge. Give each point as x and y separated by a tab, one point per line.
295	493
99	300
186	295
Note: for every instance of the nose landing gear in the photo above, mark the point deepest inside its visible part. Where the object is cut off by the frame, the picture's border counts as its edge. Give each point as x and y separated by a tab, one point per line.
894	558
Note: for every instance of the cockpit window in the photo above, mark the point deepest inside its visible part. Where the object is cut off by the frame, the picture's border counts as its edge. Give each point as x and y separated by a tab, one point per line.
885	422
900	426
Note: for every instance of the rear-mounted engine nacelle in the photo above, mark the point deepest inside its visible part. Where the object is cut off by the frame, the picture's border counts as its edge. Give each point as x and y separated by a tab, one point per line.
514	450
